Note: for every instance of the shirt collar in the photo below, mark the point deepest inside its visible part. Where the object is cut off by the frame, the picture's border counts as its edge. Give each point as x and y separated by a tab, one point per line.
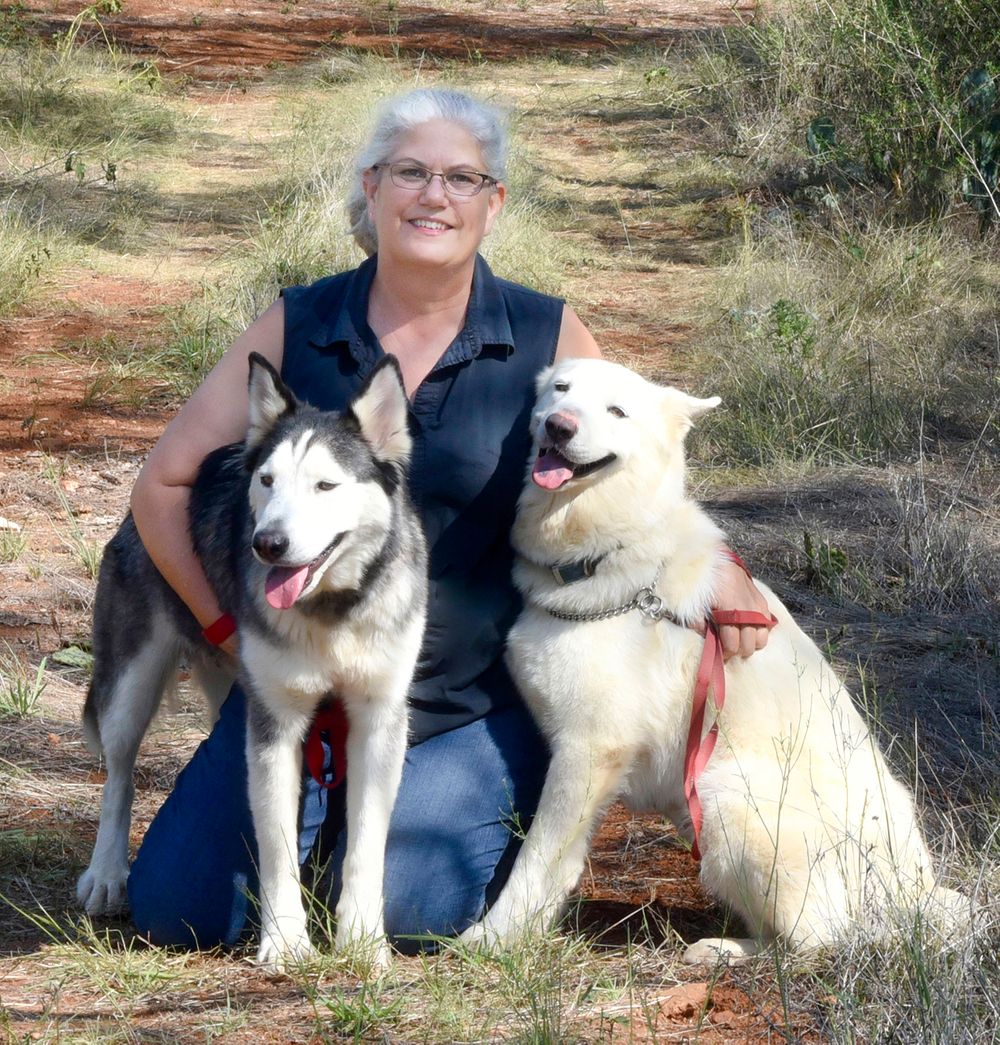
486	322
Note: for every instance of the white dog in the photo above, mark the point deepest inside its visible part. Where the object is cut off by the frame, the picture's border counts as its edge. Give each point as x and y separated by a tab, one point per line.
805	830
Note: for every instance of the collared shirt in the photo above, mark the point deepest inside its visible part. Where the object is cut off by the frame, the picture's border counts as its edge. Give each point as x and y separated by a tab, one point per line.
469	420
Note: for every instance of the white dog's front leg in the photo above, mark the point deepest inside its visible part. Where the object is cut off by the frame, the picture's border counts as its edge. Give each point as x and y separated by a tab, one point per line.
376	747
274	763
578	786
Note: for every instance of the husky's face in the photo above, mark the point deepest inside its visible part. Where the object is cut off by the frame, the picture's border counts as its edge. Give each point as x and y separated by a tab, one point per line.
593	417
321	484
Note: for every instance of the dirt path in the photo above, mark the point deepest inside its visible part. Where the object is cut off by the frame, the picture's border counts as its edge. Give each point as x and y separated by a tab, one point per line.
212	39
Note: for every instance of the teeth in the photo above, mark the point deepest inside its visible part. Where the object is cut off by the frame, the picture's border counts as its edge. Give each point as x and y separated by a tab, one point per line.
424	223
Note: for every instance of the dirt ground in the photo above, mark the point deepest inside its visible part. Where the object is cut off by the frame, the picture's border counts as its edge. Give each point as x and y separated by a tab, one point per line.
68	461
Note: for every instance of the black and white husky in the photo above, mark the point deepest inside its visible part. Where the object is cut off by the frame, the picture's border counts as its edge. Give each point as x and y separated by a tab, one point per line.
307	536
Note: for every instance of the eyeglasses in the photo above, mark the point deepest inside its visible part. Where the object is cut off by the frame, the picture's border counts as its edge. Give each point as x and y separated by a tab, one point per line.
457	183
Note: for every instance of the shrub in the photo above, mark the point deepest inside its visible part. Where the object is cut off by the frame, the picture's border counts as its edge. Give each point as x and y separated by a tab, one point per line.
902	93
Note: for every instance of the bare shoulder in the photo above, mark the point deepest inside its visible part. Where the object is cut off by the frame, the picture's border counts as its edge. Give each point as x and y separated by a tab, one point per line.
575	340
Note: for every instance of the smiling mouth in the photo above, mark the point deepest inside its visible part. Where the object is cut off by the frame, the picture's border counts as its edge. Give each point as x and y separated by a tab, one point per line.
553	469
428	223
284	584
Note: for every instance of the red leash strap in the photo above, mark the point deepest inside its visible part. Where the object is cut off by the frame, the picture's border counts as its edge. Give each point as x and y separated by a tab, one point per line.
331	719
711	677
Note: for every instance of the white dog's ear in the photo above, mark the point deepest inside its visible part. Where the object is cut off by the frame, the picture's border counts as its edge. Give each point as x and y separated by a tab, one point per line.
269	399
543	379
682	409
380	409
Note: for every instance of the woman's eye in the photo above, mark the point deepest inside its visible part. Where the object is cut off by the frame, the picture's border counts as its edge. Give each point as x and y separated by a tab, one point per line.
323	485
616	411
561	386
461	178
266	480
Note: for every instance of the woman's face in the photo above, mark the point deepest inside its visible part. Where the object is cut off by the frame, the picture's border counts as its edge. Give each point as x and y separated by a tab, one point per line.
431	226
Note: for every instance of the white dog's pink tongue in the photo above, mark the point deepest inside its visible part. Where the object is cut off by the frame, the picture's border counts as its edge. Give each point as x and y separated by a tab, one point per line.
284	585
550	471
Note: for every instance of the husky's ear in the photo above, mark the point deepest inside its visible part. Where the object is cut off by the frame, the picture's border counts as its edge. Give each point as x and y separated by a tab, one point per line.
380	410
270	399
683	409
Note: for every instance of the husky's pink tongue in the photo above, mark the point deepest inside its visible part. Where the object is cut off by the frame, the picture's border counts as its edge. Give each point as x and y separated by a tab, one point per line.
550	471
284	585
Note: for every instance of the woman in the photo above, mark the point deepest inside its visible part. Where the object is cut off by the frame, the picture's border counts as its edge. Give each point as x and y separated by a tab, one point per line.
430	187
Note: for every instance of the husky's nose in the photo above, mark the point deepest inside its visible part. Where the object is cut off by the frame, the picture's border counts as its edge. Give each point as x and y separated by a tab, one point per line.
561	427
270	545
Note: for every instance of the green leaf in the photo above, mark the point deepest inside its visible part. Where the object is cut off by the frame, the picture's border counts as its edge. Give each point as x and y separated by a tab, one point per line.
821	135
73	657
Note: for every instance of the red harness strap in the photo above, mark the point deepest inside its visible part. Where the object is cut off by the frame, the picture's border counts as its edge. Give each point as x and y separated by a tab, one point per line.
711	676
331	719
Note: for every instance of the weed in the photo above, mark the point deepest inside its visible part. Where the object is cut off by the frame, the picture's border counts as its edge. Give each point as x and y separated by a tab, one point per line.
12	545
20	688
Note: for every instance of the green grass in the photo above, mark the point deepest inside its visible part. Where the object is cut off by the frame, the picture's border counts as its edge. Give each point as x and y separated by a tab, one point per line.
20	686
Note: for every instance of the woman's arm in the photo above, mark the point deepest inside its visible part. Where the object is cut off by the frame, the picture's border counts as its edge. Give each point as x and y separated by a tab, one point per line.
215	414
575	340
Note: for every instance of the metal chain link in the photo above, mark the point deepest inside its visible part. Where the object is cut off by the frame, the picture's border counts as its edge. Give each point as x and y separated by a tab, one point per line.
646	601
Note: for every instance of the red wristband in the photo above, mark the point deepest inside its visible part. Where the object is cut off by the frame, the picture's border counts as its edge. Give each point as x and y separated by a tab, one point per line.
218	631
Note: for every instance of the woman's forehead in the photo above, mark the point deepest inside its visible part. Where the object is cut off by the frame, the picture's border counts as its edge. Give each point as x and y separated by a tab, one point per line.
438	139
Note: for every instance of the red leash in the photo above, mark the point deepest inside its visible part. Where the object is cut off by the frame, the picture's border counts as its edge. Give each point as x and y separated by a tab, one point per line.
331	719
711	676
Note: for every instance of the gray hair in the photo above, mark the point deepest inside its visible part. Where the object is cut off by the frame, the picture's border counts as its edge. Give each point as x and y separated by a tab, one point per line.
400	115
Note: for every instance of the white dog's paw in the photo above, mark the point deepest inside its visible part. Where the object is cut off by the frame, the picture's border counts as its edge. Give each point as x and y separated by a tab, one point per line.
714	949
101	892
482	937
278	951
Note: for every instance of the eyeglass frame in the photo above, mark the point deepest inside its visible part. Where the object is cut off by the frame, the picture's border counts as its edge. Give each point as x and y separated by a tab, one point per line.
488	179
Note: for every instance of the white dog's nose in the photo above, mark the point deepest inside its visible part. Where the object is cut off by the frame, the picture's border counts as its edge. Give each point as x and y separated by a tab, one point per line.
561	427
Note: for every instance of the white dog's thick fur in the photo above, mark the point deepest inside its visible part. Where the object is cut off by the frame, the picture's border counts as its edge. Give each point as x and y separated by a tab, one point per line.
805	829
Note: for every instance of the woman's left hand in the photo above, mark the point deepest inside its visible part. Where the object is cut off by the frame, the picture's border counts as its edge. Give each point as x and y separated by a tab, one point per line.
736	591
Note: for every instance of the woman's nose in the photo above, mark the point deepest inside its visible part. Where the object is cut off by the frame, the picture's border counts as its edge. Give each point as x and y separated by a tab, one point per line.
434	189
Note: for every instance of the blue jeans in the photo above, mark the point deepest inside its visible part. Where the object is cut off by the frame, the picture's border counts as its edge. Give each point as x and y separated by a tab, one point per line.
464	797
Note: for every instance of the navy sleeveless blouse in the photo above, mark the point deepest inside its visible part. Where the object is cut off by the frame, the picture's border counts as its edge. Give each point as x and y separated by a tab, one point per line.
470	426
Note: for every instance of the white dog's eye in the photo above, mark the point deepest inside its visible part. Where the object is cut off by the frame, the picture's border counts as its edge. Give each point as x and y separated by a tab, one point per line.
323	485
561	386
616	411
266	480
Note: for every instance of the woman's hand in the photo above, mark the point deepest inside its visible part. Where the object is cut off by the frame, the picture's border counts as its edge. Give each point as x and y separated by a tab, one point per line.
736	591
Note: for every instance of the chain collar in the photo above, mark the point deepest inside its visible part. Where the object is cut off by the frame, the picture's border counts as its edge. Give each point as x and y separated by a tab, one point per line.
646	601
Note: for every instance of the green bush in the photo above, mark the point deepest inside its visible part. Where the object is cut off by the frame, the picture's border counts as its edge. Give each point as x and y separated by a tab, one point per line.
899	93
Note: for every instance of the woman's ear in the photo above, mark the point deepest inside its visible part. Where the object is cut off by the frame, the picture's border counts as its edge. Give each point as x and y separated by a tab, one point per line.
370	182
497	197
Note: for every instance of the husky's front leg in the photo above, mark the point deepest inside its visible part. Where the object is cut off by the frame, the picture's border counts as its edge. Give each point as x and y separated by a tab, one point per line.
274	764
579	784
376	748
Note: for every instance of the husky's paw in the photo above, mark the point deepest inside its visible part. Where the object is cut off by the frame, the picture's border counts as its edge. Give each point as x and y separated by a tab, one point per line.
714	949
277	952
369	949
101	892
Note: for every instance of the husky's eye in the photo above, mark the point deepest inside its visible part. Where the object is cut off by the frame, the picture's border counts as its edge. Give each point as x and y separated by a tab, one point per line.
266	480
323	486
561	386
616	411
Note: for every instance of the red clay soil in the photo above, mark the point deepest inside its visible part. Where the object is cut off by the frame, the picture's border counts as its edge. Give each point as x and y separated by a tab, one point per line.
205	39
